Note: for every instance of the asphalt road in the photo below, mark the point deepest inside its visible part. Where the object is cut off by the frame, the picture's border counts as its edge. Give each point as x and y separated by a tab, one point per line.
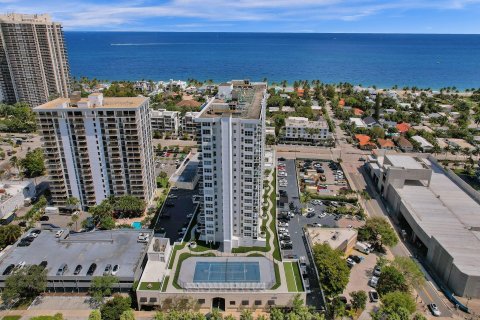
183	205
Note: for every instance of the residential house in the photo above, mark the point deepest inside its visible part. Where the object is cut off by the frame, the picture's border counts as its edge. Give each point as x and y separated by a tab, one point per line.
370	122
425	146
404	144
364	142
386	144
403	127
358	123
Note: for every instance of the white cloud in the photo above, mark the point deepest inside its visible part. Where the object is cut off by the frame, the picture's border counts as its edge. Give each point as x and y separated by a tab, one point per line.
80	14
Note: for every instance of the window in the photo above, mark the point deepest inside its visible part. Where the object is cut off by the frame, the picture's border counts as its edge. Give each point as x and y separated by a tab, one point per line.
271	302
208	185
232	303
258	302
201	301
245	302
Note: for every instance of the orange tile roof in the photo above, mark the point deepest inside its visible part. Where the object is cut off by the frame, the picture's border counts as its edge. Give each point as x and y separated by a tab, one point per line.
403	127
357	112
341	102
385	143
363	139
300	92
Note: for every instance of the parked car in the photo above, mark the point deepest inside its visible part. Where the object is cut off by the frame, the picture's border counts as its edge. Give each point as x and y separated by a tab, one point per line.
286	242
43	264
91	269
62	269
434	309
377	271
115	269
8	269
373	282
58	234
108	270
77	269
350	262
357	259
373	295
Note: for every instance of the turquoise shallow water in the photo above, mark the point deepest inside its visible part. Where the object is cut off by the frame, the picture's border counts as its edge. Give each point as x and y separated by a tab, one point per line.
382	59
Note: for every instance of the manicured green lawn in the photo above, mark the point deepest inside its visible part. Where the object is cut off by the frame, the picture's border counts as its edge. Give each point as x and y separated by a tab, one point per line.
174	253
165	283
154	286
11	317
294	280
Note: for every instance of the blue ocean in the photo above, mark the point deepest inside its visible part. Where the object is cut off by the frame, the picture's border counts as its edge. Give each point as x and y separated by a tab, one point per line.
426	61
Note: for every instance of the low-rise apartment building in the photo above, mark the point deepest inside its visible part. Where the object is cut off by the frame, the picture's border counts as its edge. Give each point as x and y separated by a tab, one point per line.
302	131
13	195
189	126
96	147
165	121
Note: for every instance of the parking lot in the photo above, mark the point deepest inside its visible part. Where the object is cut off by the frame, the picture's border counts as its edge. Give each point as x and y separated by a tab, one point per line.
175	214
322	177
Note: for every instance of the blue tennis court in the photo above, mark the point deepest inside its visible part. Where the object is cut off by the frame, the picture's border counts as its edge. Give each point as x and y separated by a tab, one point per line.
224	272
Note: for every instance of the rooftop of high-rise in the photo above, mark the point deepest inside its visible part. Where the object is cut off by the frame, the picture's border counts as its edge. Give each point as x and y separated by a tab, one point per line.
25	18
245	100
94	101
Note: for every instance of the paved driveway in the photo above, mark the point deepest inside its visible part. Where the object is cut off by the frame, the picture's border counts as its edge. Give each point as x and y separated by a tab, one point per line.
183	205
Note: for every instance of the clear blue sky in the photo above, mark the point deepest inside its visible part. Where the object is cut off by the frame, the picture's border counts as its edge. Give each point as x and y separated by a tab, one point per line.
378	16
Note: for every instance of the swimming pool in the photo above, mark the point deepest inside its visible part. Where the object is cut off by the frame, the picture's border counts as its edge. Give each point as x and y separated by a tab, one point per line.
137	225
226	272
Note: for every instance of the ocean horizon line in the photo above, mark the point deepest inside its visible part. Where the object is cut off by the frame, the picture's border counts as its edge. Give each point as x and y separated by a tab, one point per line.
273	32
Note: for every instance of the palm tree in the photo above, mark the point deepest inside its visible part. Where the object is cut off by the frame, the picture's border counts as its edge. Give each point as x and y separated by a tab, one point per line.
72	202
15	162
75	218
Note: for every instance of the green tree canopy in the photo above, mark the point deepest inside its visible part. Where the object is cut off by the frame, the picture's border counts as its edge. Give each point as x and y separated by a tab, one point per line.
410	270
391	280
397	300
33	164
379	232
113	308
95	315
9	234
332	269
101	287
359	299
25	283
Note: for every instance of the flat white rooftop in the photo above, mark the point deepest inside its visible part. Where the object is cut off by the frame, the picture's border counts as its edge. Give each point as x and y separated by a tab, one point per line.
444	211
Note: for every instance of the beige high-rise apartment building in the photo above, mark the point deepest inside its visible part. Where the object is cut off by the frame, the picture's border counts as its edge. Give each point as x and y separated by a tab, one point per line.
33	59
96	147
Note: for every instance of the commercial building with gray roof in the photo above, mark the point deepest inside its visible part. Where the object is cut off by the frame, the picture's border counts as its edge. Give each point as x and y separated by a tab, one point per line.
442	212
102	248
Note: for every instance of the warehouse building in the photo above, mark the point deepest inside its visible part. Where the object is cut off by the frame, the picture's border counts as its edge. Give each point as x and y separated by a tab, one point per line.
441	216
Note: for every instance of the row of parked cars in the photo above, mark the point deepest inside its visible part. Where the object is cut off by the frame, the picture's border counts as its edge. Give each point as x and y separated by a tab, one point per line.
109	269
25	242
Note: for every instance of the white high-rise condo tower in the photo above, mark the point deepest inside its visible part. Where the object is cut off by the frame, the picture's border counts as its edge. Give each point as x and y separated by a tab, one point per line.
96	147
232	143
33	59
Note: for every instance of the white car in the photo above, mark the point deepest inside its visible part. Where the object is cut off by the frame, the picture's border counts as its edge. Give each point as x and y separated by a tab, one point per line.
373	282
316	224
322	215
310	210
281	229
434	309
58	234
282	224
